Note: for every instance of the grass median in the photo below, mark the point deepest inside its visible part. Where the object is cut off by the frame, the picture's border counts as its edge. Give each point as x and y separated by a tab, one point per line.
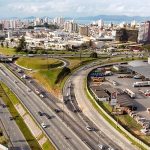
22	126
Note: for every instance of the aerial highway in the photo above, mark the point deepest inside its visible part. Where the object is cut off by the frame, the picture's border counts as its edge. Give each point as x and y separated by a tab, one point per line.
56	130
79	128
76	121
77	79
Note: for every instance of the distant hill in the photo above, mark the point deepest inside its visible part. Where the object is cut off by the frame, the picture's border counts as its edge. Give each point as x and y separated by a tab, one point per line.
115	18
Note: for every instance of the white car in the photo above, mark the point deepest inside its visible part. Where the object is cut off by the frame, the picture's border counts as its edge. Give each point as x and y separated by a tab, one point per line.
29	90
42	96
111	148
37	91
43	125
89	128
16	81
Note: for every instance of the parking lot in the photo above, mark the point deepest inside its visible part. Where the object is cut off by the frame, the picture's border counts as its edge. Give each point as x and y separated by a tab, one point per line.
141	101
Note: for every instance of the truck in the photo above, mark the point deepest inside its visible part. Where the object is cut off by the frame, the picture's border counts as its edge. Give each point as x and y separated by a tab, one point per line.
141	84
130	93
137	77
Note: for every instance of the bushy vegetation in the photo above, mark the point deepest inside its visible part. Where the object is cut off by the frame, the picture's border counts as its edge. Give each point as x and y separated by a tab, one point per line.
94	55
64	72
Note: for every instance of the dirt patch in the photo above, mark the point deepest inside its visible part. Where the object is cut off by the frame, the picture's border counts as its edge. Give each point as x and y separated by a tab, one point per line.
42	140
36	131
20	110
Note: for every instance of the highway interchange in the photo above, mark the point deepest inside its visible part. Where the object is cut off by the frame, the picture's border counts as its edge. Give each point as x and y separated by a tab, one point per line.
57	130
68	123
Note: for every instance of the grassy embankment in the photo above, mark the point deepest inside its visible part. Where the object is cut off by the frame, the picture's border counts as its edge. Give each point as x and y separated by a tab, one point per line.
45	71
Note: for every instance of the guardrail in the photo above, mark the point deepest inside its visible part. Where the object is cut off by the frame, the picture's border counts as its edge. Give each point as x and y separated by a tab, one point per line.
115	122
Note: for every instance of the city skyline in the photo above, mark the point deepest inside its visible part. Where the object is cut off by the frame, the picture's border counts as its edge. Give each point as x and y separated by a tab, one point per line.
72	8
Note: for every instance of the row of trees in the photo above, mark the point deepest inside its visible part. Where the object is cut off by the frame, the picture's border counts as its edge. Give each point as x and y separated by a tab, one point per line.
46	25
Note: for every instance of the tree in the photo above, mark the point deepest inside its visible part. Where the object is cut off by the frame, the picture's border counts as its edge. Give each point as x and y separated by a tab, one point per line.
12	40
22	45
18	49
2	44
7	44
90	43
93	55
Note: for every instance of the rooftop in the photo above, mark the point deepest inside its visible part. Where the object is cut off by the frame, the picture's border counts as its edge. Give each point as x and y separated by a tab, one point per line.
143	68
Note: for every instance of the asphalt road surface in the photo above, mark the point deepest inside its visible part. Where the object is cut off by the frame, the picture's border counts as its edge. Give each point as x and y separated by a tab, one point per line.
12	132
56	130
107	132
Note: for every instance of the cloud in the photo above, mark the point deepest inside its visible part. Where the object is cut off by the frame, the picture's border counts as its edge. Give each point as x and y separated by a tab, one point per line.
73	7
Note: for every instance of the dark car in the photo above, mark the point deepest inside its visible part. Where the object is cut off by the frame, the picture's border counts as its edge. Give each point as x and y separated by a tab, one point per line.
11	118
58	110
4	106
48	116
40	113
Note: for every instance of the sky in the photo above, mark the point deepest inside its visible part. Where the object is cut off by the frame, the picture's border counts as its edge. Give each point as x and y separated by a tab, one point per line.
73	8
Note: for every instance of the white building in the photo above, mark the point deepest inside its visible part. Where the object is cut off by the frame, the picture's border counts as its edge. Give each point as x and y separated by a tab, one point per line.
71	27
101	24
59	21
144	32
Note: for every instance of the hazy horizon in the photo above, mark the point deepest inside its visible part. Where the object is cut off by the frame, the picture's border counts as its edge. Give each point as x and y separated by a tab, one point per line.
72	8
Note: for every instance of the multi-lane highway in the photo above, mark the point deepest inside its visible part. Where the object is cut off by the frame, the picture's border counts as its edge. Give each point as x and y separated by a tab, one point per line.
16	139
108	132
75	121
57	131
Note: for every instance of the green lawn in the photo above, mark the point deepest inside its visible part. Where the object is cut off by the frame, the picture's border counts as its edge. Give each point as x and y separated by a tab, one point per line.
7	51
38	63
77	62
47	77
48	146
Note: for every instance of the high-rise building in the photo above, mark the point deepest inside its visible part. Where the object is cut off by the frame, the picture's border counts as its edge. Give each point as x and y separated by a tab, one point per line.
37	22
84	30
71	27
46	20
59	21
13	24
100	24
133	24
124	35
144	32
